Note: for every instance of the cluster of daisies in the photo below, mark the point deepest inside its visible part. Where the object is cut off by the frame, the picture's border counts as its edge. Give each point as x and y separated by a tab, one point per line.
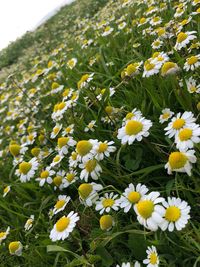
50	123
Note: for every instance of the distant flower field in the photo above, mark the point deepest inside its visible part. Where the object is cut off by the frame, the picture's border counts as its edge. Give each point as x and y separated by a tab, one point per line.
99	140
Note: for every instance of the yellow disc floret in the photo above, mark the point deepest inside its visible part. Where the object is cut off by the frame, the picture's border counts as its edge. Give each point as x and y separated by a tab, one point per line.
172	214
177	160
145	208
133	127
62	224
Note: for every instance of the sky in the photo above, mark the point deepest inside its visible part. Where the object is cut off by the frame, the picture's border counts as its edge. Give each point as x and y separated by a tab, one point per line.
19	16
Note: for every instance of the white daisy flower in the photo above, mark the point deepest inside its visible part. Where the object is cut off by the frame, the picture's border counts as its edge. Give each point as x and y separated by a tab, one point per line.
157	44
45	176
181	162
155	21
71	63
90	168
184	38
15	248
176	214
192	86
85	79
56	130
103	91
58	180
90	127
103	149
178	122
6	190
64	226
29	223
134	130
107	203
143	21
152	257
73	160
106	222
134	114
56	160
131	196
107	31
68	130
169	68
70	178
166	115
192	63
187	137
159	58
150	68
61	203
3	235
122	25
88	193
64	143
84	149
149	211
56	88
27	170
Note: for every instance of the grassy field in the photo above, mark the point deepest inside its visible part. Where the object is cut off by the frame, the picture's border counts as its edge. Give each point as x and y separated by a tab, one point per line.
99	140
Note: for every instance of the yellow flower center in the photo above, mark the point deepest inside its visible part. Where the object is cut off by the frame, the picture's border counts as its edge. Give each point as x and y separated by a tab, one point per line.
56	158
62	224
74	155
6	189
181	37
62	141
145	208
35	151
129	115
142	20
83	147
90	165
185	134
85	190
167	66
178	124
153	258
165	115
44	174
24	167
13	246
102	147
70	177
149	66
106	222
193	88
172	214
56	130
108	202
71	63
130	69
133	127
61	105
134	197
57	180
192	60
68	129
54	85
109	109
177	160
14	149
2	234
59	204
